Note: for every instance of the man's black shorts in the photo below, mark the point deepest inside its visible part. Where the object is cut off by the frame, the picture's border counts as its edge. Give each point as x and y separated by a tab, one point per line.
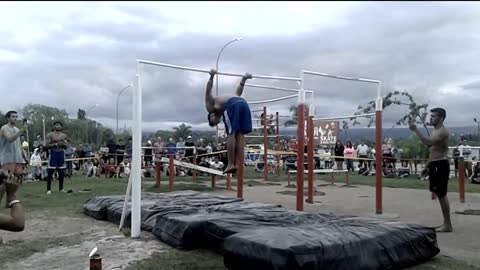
438	174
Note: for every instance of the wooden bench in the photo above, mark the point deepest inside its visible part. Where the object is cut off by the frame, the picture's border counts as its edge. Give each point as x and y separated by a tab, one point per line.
321	171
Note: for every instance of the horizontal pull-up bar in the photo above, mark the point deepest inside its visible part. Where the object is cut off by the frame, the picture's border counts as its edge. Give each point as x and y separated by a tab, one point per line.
345	117
339	77
272	100
277	88
219	73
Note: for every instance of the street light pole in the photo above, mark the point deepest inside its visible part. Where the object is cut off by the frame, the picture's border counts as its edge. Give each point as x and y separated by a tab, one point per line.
216	67
44	138
478	127
118	97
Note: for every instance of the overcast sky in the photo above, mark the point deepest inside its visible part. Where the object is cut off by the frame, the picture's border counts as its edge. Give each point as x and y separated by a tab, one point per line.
74	55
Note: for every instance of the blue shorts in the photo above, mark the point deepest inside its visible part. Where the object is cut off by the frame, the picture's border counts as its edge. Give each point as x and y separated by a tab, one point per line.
56	160
236	116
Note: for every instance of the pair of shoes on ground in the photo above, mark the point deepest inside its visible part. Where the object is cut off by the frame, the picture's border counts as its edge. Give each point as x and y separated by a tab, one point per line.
50	192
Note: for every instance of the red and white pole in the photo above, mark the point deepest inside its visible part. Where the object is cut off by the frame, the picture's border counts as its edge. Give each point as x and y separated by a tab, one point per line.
277	131
265	144
310	157
378	152
300	145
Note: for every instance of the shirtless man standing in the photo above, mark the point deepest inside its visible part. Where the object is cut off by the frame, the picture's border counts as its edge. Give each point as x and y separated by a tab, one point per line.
438	164
236	117
56	143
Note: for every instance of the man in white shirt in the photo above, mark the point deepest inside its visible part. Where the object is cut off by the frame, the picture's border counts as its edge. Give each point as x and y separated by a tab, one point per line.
466	151
216	164
209	148
181	147
362	152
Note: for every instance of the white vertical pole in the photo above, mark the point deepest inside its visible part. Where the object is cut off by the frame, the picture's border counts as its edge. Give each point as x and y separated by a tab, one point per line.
136	156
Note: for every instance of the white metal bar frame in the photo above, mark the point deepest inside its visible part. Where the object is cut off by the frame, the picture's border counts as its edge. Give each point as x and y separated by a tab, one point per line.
272	100
137	134
379	83
298	91
378	129
345	117
219	73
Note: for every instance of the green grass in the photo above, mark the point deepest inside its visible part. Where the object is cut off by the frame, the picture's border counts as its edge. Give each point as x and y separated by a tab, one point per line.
34	198
181	260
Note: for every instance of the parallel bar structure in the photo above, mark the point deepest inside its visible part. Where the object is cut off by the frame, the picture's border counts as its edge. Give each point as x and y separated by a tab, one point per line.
345	117
272	100
137	136
378	131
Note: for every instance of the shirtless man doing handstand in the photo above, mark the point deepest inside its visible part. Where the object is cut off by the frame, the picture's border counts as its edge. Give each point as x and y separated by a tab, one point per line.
438	165
236	116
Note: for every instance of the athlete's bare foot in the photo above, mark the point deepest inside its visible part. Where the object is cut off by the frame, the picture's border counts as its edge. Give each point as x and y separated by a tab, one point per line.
444	228
230	169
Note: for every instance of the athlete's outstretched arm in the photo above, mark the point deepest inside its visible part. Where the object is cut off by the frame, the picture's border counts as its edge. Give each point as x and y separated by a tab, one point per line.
240	87
209	100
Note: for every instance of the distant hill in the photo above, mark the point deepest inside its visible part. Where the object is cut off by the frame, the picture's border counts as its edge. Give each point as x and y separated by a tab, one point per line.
394	133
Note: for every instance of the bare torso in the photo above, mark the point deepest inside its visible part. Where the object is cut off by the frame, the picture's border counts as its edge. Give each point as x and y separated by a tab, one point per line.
219	103
439	150
56	137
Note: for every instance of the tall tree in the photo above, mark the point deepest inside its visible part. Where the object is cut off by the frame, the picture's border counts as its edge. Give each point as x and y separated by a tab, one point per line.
417	112
182	131
81	114
294	111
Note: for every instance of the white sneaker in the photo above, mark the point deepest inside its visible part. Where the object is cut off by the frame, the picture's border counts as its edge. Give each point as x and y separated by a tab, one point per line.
49	192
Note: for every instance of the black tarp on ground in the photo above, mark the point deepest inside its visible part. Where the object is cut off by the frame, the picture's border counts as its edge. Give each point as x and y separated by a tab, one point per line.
97	207
263	236
343	243
219	229
186	229
153	204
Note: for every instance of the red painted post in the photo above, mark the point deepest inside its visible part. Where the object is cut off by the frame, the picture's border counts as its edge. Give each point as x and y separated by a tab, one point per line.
158	173
213	181
240	168
300	152
310	158
378	162
265	144
461	178
194	172
229	181
171	173
277	131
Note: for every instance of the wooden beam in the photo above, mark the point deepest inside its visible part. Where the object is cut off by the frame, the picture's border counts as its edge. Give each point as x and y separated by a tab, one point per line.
193	167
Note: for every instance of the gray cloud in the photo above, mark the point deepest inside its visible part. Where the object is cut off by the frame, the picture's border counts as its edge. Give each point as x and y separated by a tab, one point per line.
419	47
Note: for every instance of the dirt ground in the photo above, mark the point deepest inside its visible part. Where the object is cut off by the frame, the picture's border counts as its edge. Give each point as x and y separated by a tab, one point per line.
56	243
71	241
